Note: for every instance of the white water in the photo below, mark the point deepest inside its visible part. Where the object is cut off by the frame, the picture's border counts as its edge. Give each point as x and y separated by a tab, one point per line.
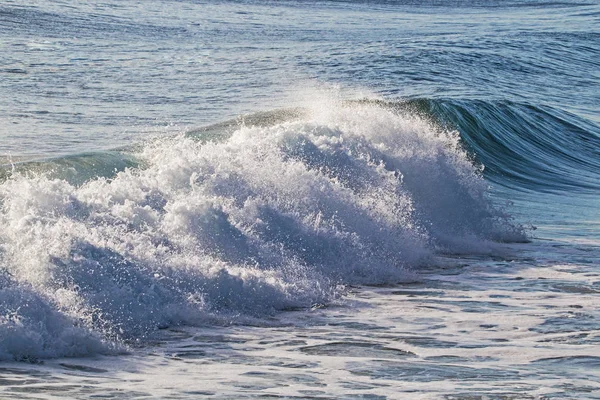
520	327
267	219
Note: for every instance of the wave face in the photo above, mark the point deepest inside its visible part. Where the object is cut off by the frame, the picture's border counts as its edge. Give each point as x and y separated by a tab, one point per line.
230	223
524	147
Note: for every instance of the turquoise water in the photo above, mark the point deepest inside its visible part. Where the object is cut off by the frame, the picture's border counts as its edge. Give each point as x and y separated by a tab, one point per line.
342	199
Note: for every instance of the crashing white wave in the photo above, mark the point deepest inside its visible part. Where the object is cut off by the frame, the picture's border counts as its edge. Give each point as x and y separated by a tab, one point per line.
267	219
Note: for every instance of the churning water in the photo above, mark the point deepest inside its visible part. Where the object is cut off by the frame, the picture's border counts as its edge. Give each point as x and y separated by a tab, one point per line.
343	199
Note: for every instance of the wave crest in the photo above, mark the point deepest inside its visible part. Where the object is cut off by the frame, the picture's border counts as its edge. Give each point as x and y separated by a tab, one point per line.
264	218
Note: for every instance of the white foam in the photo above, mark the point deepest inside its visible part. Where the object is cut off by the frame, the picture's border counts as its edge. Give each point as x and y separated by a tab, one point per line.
268	219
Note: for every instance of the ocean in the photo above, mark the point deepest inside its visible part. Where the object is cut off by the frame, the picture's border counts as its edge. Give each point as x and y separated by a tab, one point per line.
371	199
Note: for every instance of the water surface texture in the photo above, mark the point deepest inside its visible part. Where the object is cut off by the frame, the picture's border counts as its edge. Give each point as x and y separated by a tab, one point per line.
296	199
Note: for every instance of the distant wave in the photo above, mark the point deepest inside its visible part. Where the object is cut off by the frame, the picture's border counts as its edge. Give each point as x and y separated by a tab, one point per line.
267	212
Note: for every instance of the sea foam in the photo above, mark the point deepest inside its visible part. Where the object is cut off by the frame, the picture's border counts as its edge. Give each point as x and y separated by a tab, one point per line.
263	219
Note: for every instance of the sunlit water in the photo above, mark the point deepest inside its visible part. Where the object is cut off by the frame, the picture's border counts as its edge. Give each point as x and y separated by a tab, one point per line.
351	225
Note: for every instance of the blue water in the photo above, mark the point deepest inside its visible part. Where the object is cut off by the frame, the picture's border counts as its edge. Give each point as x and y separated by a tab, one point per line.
386	193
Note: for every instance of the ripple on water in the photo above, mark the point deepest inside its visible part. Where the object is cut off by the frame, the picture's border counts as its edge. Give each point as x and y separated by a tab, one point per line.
83	368
571	321
429	372
577	289
576	339
588	362
490	396
356	349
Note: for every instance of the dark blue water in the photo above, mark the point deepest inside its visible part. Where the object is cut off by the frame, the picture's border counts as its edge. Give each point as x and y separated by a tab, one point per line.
170	165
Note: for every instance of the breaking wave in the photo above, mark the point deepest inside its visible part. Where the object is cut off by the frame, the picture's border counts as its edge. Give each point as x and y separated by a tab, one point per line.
232	222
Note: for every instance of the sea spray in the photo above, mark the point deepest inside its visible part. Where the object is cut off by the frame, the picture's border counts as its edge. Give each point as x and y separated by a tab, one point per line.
264	219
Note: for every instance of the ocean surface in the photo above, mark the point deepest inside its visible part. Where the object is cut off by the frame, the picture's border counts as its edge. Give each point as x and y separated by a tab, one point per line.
334	199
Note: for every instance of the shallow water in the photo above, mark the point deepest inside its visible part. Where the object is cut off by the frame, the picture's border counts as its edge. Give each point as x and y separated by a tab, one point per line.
522	326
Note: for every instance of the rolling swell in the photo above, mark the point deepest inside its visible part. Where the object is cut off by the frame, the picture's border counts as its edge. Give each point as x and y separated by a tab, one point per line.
522	146
229	223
